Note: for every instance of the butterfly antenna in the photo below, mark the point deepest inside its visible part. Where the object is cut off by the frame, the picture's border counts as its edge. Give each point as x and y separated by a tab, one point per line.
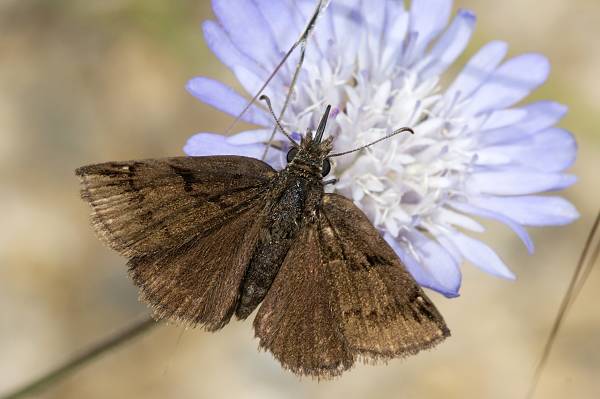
322	125
266	99
580	275
262	88
394	133
322	4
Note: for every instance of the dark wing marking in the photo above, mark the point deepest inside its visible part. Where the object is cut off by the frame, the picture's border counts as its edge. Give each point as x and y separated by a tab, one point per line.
139	207
295	321
383	312
187	224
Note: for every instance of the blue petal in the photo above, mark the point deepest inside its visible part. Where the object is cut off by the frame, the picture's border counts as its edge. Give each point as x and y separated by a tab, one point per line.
373	12
255	136
206	144
450	45
248	30
448	216
225	99
346	24
552	150
503	118
284	21
253	83
428	18
517	181
514	226
396	27
541	115
530	210
371	45
502	135
510	83
222	46
394	11
323	33
479	254
436	269
477	70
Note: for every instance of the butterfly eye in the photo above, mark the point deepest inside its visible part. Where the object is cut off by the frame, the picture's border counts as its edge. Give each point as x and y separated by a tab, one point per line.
291	154
326	168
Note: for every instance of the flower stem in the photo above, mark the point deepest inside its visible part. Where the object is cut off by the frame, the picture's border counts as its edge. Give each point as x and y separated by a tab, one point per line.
92	353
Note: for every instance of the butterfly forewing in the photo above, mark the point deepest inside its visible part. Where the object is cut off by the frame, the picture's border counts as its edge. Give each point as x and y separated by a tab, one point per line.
188	225
140	207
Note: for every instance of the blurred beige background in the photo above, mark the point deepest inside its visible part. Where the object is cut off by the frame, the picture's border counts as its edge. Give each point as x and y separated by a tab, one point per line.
92	81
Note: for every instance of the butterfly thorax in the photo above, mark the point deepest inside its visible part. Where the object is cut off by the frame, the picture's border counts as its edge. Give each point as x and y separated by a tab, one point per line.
293	201
309	157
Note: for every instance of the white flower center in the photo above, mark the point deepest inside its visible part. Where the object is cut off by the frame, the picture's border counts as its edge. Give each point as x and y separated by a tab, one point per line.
401	182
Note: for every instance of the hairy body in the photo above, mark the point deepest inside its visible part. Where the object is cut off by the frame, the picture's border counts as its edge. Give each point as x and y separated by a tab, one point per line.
294	198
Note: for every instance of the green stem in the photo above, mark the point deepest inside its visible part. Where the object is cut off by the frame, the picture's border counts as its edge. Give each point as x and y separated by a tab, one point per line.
85	357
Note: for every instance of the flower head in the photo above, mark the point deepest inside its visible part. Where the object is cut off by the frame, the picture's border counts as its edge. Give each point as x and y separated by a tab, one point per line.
475	152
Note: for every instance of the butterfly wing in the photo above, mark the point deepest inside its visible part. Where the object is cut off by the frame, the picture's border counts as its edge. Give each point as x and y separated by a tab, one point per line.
176	219
342	295
143	206
383	312
295	321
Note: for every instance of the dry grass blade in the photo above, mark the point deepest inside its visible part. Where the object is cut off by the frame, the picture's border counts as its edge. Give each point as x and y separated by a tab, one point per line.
93	353
580	276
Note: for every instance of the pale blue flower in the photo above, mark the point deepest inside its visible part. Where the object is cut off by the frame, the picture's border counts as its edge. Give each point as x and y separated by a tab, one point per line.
476	153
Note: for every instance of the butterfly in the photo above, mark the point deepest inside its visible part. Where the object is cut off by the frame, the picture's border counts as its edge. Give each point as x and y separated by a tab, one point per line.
211	237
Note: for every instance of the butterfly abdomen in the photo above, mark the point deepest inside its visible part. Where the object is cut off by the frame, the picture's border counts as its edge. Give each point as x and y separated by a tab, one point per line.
284	219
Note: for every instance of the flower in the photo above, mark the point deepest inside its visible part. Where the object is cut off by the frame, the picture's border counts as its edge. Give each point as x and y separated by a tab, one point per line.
475	152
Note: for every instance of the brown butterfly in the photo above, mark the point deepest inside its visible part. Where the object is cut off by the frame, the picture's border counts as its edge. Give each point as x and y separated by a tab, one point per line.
209	237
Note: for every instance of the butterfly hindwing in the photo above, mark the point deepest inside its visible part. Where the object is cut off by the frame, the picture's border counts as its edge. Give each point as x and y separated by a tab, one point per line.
383	312
342	295
295	321
188	225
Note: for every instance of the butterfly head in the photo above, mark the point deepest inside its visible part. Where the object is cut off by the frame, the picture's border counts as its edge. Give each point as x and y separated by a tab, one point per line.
312	153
